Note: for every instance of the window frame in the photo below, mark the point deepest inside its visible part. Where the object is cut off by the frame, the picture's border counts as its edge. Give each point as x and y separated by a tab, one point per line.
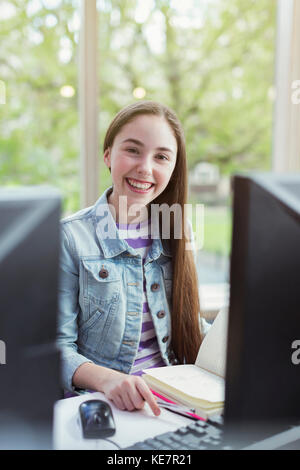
88	103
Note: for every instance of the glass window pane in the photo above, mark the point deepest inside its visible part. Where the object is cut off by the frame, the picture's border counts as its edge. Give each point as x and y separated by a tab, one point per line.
39	121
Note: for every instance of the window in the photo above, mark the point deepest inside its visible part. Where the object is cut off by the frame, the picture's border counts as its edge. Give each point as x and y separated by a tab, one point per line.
39	141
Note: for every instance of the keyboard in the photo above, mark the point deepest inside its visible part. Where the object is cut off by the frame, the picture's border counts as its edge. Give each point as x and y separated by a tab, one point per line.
199	435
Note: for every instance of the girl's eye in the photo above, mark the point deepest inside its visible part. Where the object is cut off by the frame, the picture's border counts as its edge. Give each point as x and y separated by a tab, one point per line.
132	150
162	157
136	151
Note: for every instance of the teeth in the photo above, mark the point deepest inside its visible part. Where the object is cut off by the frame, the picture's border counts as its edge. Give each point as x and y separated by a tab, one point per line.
140	185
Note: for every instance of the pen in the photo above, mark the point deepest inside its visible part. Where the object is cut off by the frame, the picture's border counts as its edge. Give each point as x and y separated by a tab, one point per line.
175	408
178	411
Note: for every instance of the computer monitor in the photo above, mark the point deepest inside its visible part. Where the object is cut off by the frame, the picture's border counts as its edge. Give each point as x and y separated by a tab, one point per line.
262	394
29	362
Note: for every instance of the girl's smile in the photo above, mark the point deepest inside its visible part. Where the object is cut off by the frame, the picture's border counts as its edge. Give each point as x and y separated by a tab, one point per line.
142	159
139	186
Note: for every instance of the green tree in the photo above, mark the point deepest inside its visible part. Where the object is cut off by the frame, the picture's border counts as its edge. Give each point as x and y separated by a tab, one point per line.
39	127
212	63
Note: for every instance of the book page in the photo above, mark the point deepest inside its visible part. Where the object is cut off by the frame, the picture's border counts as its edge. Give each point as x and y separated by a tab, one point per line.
212	352
190	381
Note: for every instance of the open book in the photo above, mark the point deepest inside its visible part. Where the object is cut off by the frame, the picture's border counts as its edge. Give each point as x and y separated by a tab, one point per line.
201	385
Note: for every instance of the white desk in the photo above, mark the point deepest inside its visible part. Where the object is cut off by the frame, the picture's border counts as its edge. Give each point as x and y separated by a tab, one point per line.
131	426
134	426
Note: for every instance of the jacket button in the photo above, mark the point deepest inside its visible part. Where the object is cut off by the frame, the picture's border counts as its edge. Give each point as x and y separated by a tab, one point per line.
161	314
154	287
171	356
103	273
165	339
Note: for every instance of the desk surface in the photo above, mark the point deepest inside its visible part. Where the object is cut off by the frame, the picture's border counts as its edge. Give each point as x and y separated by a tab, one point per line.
134	426
131	426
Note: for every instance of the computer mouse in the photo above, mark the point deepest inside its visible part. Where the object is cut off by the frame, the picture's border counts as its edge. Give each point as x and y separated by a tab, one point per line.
97	420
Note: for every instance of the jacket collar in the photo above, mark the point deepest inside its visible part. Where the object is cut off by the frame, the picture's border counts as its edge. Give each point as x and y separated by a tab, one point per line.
108	234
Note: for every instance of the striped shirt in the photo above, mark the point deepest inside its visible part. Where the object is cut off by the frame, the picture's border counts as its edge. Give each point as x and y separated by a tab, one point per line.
138	236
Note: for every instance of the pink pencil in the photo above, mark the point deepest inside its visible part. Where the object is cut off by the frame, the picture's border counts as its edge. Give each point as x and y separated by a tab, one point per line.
167	400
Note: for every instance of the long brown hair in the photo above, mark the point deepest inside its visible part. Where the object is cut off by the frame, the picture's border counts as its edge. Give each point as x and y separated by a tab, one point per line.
185	308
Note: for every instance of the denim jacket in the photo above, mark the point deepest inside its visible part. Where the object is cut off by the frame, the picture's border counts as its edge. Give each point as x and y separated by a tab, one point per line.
101	292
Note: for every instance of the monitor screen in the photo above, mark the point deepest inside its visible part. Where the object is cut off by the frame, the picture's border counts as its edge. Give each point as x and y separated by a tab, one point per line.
262	382
29	370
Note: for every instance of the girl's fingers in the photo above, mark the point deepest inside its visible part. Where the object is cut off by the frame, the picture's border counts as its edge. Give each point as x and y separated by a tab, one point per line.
118	401
148	396
131	394
128	401
136	398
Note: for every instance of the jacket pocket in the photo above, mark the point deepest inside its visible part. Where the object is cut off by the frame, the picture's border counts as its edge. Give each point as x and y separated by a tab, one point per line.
93	333
101	281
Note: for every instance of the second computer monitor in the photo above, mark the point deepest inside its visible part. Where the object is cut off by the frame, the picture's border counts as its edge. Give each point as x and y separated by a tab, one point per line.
29	370
262	380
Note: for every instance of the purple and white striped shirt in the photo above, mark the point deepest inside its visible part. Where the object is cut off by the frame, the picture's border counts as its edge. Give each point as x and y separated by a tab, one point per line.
138	236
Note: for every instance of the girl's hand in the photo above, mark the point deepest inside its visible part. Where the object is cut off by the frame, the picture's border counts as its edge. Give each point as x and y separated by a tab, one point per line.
129	392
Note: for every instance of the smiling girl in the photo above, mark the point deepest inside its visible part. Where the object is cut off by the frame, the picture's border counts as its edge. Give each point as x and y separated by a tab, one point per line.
130	301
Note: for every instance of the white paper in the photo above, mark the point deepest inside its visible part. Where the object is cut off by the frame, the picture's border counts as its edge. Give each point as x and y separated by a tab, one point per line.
213	350
192	381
